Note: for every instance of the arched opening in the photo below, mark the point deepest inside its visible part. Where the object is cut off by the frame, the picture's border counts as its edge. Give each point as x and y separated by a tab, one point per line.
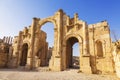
76	55
48	28
23	59
99	49
46	46
72	53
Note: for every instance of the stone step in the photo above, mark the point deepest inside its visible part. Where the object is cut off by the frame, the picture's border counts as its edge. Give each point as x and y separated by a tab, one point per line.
43	69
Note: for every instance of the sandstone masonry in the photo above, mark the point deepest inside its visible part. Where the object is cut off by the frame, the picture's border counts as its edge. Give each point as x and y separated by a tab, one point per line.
30	49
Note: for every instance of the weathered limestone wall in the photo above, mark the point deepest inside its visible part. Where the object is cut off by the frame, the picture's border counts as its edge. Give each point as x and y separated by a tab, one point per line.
3	60
76	29
5	44
116	57
40	48
100	47
49	54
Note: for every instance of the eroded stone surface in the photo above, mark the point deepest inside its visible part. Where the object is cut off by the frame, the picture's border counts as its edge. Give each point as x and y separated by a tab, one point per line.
116	57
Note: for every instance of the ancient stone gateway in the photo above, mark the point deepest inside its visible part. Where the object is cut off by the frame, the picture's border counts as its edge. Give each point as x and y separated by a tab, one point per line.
94	44
24	54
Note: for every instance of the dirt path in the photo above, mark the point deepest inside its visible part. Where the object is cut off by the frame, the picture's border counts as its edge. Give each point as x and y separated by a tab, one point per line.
9	74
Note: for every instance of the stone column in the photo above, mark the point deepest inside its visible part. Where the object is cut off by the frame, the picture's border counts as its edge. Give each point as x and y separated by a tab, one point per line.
84	61
9	40
85	48
55	62
28	63
67	23
18	51
71	56
4	39
85	64
55	42
104	49
64	57
85	57
75	18
32	56
59	36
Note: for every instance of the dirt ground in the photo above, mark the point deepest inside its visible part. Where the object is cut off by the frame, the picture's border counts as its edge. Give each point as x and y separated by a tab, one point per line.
14	74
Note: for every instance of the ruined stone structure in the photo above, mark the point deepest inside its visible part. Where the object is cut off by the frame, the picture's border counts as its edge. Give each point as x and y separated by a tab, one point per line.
5	44
100	47
30	48
116	57
22	53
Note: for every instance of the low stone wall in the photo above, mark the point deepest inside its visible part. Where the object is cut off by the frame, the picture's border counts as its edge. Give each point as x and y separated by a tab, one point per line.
3	60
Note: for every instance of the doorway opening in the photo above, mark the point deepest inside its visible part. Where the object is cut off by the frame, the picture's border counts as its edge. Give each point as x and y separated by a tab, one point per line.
72	53
99	49
23	59
48	29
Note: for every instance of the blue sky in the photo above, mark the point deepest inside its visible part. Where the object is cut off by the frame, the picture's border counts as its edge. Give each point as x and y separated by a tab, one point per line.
16	14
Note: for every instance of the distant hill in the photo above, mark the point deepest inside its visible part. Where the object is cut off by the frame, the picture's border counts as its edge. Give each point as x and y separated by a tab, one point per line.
76	60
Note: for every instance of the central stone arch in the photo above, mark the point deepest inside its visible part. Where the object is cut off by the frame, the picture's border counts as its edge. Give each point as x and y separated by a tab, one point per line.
80	40
49	19
84	60
65	50
53	21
